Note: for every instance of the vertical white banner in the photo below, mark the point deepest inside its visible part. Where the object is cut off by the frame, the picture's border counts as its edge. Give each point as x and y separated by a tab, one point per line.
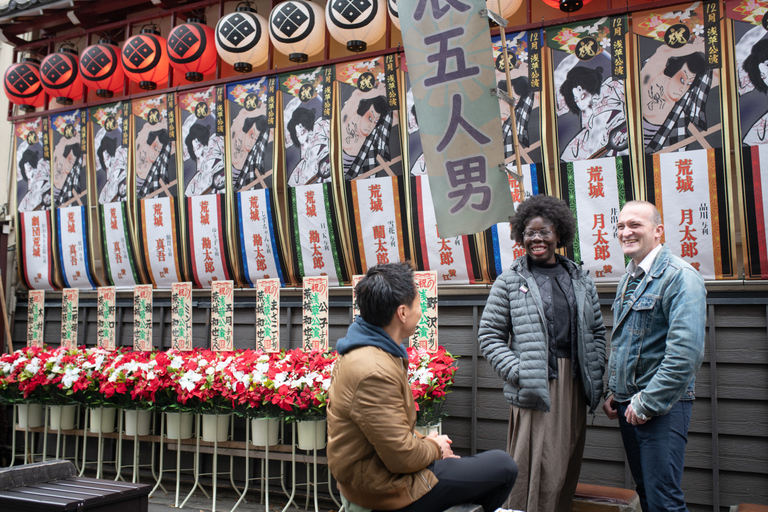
73	247
258	241
158	225
206	239
314	233
36	244
119	262
268	315
687	207
379	227
596	189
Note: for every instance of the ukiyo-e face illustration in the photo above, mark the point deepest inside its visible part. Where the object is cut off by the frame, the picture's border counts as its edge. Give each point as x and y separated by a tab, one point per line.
752	72
33	172
250	134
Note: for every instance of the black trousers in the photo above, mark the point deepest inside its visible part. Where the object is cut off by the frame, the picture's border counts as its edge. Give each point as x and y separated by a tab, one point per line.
485	479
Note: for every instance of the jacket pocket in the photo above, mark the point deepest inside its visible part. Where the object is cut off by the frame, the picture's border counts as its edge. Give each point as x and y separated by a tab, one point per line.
641	316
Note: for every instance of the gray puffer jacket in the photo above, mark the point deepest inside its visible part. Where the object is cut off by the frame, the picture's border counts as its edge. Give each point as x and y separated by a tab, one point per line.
513	336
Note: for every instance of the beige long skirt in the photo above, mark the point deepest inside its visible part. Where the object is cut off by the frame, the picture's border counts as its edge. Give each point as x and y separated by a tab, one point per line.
548	447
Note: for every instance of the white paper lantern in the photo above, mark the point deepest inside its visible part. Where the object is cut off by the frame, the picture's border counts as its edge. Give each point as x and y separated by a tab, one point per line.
508	7
393	14
297	29
356	23
241	39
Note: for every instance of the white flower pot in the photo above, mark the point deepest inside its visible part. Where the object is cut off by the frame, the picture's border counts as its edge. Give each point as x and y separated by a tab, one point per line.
137	422
215	427
178	425
265	431
102	419
427	429
312	434
62	416
29	415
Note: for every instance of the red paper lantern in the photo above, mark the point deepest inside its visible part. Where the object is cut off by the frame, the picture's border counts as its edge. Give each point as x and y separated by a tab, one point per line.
22	85
145	59
567	5
101	69
192	49
59	75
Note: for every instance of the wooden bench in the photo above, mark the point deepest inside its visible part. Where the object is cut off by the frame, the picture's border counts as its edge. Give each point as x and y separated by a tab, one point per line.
749	507
599	498
53	486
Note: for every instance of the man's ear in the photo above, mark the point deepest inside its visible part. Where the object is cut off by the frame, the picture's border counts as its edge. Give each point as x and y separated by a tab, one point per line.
401	312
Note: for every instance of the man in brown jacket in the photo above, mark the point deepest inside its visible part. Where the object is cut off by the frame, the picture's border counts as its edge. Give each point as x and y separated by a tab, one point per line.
373	452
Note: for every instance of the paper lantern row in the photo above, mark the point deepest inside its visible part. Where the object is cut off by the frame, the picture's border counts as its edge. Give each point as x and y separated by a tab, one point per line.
296	29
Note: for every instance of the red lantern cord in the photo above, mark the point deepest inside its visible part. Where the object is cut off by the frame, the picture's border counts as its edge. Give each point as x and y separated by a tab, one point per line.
60	77
22	85
145	59
192	49
102	69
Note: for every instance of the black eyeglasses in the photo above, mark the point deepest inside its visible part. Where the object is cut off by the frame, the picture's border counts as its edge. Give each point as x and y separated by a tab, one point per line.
531	233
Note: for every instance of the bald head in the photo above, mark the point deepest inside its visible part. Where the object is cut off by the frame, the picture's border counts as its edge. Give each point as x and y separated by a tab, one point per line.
639	229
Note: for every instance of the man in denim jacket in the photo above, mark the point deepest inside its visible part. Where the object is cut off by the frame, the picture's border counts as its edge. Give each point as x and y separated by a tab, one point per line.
656	349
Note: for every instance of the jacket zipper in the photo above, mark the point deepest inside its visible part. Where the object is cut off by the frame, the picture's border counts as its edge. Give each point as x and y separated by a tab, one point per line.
425	481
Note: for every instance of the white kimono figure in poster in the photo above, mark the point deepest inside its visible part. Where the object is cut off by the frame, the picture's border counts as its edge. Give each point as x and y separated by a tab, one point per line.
600	106
113	158
752	69
207	150
36	172
309	133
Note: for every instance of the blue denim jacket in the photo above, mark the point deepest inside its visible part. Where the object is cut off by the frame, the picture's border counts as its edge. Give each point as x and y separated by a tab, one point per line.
658	337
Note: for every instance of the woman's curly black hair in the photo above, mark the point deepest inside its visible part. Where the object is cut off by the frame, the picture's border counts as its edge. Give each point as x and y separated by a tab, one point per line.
549	208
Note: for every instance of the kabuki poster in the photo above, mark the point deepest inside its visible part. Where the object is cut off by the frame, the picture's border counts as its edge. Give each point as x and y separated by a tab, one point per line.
201	114
154	127
69	150
37	266
750	30
589	63
251	119
307	100
372	160
111	143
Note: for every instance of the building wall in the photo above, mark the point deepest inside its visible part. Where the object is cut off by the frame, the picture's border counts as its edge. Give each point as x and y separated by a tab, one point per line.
727	455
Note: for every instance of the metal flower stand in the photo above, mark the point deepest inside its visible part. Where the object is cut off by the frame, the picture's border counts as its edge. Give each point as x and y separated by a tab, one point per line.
313	483
29	451
163	438
61	445
100	445
136	438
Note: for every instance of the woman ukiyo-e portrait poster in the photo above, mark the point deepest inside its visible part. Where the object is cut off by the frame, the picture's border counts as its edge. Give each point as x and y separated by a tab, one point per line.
201	115
750	31
154	129
33	204
680	56
69	151
307	100
524	63
589	60
371	160
455	259
111	161
252	113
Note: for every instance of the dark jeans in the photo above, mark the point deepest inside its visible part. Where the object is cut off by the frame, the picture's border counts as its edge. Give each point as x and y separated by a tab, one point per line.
656	451
485	479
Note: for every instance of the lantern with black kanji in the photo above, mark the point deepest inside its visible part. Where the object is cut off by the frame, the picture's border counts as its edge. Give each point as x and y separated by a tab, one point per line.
22	85
567	5
101	68
297	29
59	75
356	23
241	39
145	59
393	14
191	49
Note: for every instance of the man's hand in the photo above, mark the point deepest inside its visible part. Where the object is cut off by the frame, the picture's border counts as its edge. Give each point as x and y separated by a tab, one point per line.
444	442
632	417
610	408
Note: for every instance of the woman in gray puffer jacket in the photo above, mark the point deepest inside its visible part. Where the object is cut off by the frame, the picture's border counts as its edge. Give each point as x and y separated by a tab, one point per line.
543	334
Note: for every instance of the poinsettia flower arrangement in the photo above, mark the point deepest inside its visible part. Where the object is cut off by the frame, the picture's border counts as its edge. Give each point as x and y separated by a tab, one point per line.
430	375
21	379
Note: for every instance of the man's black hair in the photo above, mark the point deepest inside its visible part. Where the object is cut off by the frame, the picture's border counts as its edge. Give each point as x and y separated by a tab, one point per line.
260	122
199	132
519	85
379	104
696	63
74	149
757	56
161	135
302	116
109	145
548	208
383	289
28	157
589	79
